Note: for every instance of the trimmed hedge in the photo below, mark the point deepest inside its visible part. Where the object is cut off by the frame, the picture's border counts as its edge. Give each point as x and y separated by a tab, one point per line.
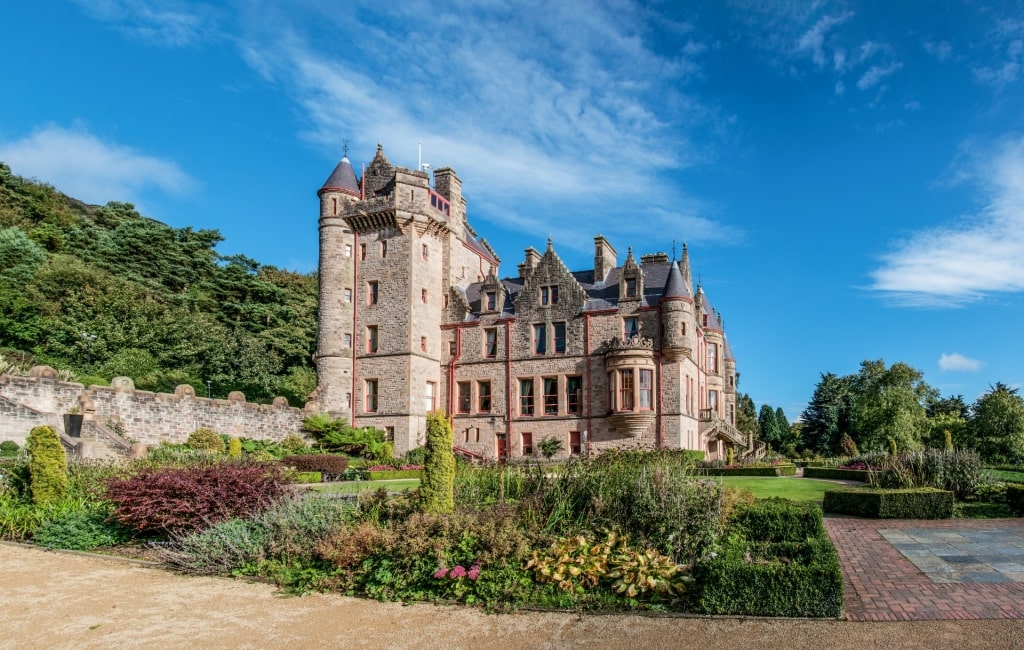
908	503
308	477
395	473
837	473
330	464
774	470
1015	498
778	562
778	520
775	579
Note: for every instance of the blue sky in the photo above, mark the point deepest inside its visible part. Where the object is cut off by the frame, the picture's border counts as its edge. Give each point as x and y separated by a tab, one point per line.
849	176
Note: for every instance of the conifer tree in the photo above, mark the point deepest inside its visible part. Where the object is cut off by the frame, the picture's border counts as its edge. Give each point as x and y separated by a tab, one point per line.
437	489
47	465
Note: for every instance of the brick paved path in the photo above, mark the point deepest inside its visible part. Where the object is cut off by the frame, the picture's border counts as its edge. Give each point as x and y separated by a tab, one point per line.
884	585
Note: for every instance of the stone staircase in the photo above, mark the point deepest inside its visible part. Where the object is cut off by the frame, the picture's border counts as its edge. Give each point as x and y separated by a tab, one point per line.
746	446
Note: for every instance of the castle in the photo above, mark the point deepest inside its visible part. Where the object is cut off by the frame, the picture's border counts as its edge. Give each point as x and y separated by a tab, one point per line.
413	317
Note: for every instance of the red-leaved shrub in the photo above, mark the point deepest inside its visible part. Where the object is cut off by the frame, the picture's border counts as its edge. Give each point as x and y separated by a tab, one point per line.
330	464
192	498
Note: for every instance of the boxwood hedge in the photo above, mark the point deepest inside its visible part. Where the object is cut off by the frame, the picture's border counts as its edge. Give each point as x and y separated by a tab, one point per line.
837	473
907	503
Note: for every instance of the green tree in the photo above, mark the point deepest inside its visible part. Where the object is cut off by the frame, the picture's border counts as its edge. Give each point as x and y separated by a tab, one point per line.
888	402
437	488
47	465
746	415
997	423
827	416
771	434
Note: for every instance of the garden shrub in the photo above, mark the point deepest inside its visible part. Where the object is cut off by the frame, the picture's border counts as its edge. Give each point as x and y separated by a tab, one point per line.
959	471
909	503
837	473
1015	498
192	498
81	530
308	477
416	456
436	489
777	520
47	466
289	532
294	443
9	448
234	448
205	439
772	579
331	466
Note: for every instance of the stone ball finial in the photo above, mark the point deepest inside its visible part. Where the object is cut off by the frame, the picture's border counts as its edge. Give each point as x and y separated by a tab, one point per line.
42	372
184	390
236	396
280	402
122	384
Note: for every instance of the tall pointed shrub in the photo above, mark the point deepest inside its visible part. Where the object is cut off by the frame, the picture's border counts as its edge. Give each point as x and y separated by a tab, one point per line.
47	465
437	487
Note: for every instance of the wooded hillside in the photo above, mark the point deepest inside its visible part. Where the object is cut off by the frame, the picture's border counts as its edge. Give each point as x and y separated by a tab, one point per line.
162	305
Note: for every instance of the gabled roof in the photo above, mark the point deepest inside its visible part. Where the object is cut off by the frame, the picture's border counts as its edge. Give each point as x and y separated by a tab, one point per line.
342	179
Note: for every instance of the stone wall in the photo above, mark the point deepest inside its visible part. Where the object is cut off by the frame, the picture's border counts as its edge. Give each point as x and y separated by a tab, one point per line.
146	417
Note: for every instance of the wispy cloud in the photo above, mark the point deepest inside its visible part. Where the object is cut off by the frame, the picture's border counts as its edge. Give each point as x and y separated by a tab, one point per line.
941	50
978	255
569	115
1006	41
875	74
167	23
957	362
812	41
87	168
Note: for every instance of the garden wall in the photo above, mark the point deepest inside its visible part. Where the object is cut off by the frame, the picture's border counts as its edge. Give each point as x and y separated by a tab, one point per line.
145	417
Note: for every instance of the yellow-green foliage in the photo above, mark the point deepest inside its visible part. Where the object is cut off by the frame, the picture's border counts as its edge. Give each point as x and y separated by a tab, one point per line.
205	439
437	487
731	456
48	465
294	443
234	447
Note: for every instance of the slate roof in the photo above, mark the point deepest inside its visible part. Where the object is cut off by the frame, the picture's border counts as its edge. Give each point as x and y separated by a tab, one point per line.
342	179
675	286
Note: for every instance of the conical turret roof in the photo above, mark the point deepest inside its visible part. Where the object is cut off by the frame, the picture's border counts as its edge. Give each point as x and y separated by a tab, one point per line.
342	179
675	286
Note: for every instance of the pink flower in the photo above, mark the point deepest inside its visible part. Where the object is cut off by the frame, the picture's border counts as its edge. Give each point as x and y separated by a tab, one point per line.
440	573
458	572
474	572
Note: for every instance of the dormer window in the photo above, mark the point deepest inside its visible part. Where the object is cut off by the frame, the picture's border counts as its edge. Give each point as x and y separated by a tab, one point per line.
549	295
490	300
705	320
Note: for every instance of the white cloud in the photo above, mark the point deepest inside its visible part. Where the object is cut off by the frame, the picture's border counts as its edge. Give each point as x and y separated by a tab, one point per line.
941	50
1007	42
168	23
89	169
840	88
875	74
813	40
958	362
977	255
529	114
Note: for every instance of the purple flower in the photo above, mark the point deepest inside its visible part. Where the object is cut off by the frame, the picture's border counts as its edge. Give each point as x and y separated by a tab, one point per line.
442	572
458	572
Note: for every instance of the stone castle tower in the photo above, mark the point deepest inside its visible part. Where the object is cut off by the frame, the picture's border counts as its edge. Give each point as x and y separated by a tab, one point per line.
413	318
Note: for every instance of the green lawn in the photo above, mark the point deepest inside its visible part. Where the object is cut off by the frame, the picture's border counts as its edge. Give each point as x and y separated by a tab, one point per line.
355	487
1005	475
794	489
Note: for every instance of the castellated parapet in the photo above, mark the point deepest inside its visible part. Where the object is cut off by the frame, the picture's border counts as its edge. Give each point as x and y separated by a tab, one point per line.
614	357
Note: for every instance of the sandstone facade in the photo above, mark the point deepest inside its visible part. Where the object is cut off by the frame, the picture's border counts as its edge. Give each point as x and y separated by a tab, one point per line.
413	317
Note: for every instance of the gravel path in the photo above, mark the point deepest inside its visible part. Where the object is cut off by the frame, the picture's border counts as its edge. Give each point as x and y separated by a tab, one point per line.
62	600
